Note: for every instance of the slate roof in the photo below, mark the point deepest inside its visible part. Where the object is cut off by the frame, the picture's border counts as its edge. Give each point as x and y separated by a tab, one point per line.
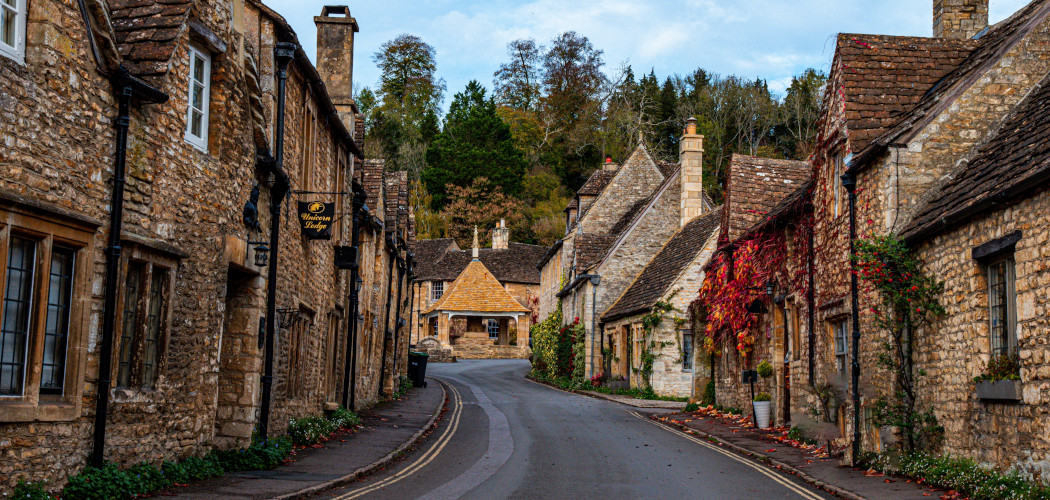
664	269
755	187
886	76
1013	162
441	259
989	48
476	289
590	248
147	31
396	184
596	183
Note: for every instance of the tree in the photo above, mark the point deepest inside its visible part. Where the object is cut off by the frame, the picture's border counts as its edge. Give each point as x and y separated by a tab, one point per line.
516	84
801	111
408	84
481	204
474	142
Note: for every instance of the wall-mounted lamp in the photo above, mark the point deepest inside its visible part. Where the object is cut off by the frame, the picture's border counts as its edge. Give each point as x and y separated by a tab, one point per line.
262	253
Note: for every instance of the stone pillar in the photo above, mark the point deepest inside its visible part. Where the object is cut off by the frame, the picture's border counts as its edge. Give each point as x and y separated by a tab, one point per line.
443	327
691	158
522	324
959	19
335	58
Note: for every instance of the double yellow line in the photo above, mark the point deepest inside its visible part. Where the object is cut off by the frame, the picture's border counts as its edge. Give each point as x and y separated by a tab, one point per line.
764	470
446	436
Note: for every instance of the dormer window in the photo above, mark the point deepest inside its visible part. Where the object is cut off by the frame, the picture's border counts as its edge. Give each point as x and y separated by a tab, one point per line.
197	96
13	29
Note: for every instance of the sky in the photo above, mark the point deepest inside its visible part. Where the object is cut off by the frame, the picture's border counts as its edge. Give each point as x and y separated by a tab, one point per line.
769	39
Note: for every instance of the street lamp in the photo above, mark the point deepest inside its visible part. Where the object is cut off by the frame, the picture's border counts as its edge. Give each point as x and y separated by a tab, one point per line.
262	253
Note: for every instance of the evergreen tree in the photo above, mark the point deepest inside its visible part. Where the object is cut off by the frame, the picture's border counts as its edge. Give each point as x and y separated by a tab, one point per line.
474	142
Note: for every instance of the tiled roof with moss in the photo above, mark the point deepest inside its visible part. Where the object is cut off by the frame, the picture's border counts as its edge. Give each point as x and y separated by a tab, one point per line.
476	290
755	186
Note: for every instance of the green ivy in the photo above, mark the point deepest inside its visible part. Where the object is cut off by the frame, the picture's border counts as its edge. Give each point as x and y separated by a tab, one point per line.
650	322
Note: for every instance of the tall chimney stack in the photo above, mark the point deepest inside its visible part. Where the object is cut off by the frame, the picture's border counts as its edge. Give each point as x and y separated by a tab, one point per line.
501	236
959	19
691	159
335	58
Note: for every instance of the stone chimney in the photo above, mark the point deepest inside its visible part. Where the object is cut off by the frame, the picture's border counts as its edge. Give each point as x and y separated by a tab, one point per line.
959	19
501	236
335	58
691	159
474	247
610	164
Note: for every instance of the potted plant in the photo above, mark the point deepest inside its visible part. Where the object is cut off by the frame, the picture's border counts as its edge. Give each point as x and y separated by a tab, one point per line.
762	402
764	369
1001	381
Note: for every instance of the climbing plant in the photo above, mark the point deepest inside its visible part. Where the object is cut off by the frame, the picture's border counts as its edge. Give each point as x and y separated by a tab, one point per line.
908	300
650	322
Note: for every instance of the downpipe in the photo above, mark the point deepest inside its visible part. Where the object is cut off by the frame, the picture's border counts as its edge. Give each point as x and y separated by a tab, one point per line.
350	359
849	181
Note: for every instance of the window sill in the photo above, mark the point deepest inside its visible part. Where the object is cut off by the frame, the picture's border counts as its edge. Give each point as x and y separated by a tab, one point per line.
22	411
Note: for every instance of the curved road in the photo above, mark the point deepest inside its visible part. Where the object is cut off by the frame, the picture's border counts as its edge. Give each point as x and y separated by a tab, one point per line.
506	437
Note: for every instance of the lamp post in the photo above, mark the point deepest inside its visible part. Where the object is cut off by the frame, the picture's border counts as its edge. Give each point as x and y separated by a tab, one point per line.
849	181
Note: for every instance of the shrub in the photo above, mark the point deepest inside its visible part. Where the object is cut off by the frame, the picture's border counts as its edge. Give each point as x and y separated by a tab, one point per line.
309	430
764	369
545	343
192	469
344	419
108	482
691	407
261	455
1003	367
962	475
709	394
763	396
30	491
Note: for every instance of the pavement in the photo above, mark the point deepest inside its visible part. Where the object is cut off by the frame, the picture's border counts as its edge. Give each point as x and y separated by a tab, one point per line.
808	464
506	437
389	430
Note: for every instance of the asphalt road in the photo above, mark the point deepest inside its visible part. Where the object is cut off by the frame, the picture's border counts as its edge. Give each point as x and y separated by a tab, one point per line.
506	437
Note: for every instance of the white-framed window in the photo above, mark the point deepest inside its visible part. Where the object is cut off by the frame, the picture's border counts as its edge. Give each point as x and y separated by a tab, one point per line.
836	182
493	328
13	29
437	289
840	332
1002	307
197	96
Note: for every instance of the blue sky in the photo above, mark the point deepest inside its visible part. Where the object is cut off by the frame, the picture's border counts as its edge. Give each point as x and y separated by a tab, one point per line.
771	39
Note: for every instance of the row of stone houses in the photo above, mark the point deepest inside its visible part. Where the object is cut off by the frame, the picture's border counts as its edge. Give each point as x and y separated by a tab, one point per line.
941	142
147	147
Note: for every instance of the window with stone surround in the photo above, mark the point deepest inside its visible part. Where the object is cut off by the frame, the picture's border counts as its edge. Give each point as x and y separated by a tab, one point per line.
143	323
335	322
836	170
13	29
1002	306
308	149
43	265
197	97
839	329
437	289
687	349
297	340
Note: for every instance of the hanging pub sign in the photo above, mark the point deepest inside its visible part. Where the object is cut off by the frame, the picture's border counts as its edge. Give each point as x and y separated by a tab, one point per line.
315	219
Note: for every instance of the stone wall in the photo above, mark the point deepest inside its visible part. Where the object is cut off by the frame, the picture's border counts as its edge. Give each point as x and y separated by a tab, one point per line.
957	348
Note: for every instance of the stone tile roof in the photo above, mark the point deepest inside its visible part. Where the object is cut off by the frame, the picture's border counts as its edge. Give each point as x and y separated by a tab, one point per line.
396	189
886	76
590	248
663	271
596	183
147	32
372	181
988	49
755	186
667	168
573	204
476	289
442	259
1010	164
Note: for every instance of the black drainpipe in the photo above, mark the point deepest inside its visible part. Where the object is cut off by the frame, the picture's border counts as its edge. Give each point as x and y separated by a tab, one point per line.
126	86
283	54
350	363
386	316
849	181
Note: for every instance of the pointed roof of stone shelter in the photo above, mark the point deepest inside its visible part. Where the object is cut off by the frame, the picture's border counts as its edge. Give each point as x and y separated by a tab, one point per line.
477	290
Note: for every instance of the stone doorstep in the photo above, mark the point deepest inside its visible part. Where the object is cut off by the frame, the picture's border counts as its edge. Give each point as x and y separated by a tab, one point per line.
873	487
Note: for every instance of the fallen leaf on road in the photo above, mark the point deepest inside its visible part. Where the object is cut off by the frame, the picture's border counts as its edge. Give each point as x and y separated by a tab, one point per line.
873	473
771	450
889	481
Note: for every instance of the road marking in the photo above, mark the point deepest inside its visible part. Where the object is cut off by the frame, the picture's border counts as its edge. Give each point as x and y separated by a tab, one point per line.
760	468
446	436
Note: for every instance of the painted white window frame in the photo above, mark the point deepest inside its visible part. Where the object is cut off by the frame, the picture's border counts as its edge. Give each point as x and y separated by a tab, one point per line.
841	338
437	289
200	142
18	50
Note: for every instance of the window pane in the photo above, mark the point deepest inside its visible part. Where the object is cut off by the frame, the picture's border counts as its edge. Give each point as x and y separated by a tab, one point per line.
56	332
687	350
198	68
153	329
132	287
8	24
198	96
195	123
18	296
997	308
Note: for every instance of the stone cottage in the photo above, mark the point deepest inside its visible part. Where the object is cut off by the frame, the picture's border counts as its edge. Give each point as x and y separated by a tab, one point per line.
194	85
637	208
